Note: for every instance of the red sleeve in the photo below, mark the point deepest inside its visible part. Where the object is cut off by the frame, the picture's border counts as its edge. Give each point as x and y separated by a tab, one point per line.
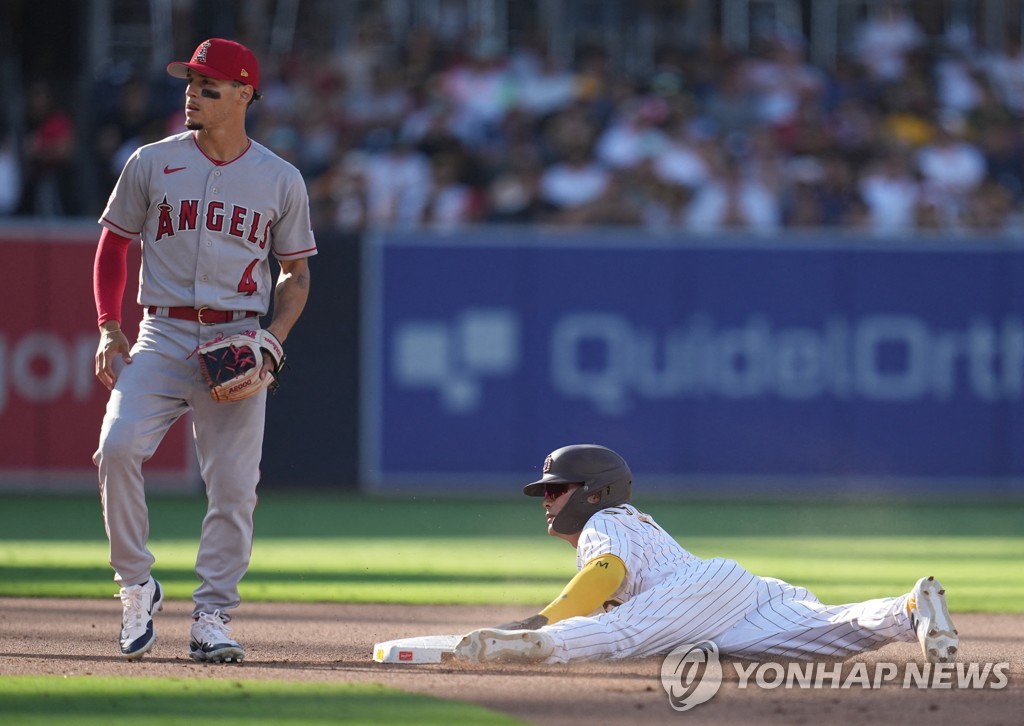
109	275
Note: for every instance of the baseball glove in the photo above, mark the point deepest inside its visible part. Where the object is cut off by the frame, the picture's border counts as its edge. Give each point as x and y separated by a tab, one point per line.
231	365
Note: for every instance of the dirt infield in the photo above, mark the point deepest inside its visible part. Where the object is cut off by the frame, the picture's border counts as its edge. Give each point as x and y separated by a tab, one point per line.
333	642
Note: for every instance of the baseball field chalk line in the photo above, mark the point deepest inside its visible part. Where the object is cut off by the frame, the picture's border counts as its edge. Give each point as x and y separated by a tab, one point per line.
424	649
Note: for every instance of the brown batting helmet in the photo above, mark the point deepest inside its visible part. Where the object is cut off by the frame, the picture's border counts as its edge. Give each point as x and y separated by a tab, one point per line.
598	470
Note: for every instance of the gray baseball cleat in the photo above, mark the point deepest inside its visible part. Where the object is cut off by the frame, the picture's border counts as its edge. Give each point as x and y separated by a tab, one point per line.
929	617
210	642
490	645
138	602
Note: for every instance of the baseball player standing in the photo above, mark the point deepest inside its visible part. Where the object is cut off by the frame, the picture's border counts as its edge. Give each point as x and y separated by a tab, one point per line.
656	595
209	205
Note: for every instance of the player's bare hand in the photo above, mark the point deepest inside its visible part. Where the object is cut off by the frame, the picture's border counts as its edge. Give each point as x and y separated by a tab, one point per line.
113	345
269	367
272	369
273	358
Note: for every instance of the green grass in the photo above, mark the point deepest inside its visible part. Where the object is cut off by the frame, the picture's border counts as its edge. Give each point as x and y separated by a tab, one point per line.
319	547
87	700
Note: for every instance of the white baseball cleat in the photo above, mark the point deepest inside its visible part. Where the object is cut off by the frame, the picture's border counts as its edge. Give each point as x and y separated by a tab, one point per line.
490	645
210	642
138	603
930	619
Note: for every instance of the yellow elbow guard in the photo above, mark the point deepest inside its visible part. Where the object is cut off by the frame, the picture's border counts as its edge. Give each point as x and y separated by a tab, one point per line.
585	593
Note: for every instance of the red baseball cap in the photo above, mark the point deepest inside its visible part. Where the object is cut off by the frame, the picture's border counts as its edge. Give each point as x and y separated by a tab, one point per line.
222	59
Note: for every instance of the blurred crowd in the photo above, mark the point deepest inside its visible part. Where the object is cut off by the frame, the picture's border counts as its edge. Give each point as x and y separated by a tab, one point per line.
901	132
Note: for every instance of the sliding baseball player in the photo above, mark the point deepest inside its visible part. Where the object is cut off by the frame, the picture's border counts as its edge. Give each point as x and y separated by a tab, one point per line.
651	595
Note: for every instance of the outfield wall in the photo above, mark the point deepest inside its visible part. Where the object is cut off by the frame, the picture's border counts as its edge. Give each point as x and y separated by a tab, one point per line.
720	366
726	366
51	405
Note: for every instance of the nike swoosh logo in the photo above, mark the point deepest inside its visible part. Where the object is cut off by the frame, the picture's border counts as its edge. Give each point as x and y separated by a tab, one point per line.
169	170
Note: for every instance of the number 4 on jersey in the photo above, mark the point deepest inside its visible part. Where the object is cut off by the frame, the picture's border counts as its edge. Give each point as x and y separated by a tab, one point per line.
248	283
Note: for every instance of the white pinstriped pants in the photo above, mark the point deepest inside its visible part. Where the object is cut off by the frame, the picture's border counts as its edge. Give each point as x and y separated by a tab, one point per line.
745	615
790	622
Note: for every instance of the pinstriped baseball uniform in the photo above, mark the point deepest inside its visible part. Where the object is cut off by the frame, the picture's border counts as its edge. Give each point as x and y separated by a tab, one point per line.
208	229
670	597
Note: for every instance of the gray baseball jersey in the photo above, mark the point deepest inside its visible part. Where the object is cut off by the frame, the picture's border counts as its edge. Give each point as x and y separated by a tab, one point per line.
208	227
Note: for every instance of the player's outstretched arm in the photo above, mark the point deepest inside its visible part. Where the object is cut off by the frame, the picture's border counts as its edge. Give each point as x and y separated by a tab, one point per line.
586	592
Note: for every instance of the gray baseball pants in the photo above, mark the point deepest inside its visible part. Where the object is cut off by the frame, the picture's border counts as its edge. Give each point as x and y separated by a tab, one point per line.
162	383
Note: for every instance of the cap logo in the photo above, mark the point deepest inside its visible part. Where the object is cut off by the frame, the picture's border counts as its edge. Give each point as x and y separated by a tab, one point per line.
244	73
547	464
201	52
